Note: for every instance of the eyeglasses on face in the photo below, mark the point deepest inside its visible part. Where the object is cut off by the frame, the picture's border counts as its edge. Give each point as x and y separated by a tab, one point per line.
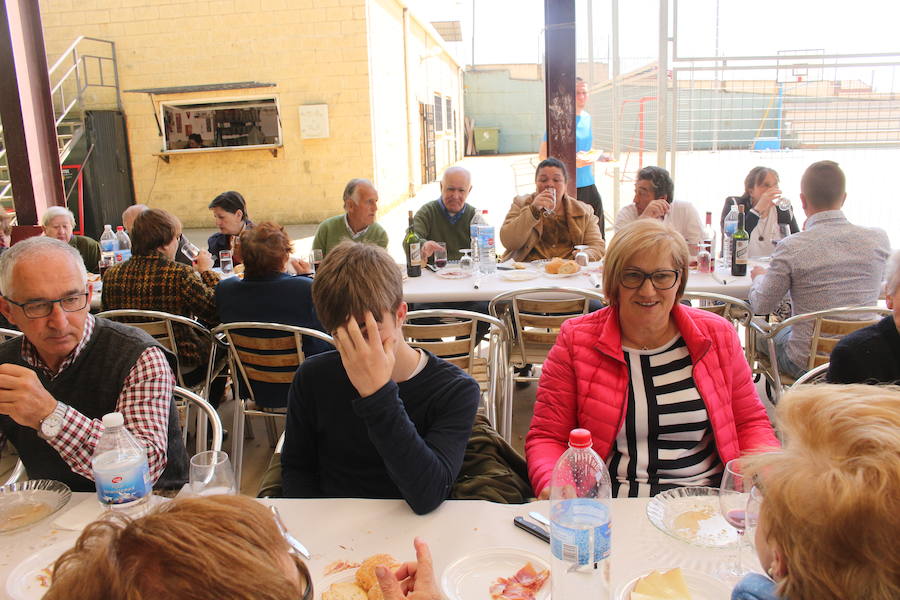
662	279
308	592
38	309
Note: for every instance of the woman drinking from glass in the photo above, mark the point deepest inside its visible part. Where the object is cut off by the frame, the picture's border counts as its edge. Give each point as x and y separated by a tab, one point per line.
664	388
549	223
230	212
767	219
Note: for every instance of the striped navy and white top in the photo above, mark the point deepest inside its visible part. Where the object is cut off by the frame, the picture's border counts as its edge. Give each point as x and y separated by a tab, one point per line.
666	439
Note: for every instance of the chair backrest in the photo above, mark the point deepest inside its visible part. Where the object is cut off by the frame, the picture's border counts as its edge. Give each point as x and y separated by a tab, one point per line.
266	359
205	411
738	312
816	375
160	326
534	316
8	334
17	473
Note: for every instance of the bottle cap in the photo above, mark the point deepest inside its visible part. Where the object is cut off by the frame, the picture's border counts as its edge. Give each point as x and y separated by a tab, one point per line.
120	228
113	419
579	438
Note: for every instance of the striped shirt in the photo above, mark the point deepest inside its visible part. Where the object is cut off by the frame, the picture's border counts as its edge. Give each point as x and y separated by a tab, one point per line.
666	439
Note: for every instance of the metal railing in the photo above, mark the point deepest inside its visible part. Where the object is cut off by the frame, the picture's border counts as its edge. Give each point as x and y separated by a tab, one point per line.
86	75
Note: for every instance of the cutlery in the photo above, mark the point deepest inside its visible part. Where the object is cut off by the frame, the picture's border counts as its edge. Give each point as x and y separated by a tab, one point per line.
594	281
539	518
291	540
477	283
535	530
718	279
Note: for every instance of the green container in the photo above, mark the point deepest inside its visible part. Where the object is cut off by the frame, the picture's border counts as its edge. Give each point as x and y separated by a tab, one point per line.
487	139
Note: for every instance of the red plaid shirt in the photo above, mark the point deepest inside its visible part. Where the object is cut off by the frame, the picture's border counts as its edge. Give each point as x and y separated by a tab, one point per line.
144	403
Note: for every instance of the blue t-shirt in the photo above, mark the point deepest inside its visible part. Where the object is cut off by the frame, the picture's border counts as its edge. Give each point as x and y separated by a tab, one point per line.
584	139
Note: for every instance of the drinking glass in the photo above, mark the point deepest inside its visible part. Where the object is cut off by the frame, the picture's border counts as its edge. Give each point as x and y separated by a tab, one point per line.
440	255
581	257
211	474
734	492
552	210
190	250
783	203
315	257
465	261
225	262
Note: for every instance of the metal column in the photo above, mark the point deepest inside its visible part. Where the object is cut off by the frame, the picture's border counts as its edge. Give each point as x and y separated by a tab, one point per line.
559	65
26	110
662	83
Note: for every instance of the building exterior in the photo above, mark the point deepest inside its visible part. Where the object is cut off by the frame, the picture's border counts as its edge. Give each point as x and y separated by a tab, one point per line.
290	97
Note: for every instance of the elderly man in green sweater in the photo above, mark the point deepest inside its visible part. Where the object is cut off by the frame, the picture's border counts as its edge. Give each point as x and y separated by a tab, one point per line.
358	221
448	218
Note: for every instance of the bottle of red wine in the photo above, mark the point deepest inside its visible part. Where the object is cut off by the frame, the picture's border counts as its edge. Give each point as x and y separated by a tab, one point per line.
413	245
740	246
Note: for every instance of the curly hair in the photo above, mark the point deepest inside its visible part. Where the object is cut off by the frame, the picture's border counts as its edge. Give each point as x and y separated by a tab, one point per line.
264	249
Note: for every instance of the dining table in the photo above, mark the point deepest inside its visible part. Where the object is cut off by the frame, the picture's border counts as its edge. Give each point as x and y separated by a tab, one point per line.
458	532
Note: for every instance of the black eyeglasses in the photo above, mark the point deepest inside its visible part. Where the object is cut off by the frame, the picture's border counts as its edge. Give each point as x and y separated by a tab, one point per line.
38	309
304	572
663	279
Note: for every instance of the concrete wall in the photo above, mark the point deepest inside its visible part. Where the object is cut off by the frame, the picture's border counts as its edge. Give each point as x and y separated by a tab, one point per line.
314	51
516	106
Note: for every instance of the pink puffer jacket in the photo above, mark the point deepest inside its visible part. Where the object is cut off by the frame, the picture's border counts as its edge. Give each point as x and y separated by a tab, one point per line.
584	383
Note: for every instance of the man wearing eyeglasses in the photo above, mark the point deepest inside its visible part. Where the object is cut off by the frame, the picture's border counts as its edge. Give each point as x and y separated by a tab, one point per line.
68	369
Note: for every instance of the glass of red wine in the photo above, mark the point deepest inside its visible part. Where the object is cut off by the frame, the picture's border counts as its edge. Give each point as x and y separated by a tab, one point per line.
733	496
440	255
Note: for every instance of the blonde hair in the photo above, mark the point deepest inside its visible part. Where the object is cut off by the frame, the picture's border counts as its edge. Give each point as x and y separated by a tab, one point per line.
355	278
225	547
831	497
643	236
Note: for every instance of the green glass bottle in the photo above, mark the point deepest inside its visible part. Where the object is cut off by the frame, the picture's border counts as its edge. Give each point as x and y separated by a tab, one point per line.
413	245
740	246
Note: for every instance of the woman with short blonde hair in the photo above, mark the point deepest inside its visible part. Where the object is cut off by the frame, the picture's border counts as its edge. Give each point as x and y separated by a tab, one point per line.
830	514
664	388
223	547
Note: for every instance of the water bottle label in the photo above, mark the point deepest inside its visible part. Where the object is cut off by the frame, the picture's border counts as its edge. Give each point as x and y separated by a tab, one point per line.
741	251
121	487
109	245
585	542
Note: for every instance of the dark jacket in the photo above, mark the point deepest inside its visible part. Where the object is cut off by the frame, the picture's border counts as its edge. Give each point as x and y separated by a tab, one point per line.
868	355
222	241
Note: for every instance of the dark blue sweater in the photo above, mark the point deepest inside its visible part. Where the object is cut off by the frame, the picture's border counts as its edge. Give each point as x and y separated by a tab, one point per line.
868	355
406	440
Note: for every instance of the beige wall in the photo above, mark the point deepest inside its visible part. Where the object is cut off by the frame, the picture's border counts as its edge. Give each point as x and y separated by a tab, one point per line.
315	51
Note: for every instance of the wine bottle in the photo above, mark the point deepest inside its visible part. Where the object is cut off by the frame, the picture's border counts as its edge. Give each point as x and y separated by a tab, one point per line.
740	246
413	245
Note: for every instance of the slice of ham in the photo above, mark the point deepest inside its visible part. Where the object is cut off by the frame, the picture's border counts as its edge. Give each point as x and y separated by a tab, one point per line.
524	585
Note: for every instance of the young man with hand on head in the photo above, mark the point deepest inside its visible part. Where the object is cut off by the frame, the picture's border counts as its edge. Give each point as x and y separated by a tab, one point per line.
376	418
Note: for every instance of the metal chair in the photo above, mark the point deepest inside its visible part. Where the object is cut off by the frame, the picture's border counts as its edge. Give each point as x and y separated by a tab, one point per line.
738	313
817	375
255	358
455	339
8	334
829	326
534	316
16	474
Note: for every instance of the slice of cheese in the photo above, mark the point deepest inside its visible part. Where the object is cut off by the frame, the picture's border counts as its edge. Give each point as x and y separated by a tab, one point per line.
668	585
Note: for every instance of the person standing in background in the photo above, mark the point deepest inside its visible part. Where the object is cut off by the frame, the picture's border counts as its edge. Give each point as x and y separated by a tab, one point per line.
584	140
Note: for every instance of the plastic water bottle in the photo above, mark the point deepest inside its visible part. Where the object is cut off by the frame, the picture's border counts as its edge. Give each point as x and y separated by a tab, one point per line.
487	252
580	522
121	474
729	228
473	240
108	244
124	242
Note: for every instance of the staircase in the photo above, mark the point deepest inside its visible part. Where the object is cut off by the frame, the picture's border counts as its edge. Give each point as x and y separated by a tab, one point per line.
85	77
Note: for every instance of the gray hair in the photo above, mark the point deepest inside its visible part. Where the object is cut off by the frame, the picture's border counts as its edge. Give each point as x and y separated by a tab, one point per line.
350	189
57	211
892	275
35	246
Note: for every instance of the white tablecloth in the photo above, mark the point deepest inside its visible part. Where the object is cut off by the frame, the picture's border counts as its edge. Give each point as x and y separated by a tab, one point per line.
352	530
432	288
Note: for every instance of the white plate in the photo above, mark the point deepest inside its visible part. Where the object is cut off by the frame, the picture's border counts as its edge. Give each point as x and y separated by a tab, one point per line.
519	275
24	581
561	275
700	585
347	575
453	274
471	576
692	515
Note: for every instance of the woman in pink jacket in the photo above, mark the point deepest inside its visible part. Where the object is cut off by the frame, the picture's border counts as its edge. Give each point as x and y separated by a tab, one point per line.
664	388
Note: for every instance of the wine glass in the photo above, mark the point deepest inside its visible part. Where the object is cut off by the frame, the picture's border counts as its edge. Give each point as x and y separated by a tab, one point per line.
733	495
190	250
440	255
465	261
581	257
211	474
754	503
315	257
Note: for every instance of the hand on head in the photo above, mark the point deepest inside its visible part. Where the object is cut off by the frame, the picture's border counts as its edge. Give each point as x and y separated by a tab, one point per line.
367	360
657	209
413	580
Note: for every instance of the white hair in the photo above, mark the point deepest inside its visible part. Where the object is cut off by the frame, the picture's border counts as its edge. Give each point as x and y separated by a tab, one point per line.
892	274
35	246
57	211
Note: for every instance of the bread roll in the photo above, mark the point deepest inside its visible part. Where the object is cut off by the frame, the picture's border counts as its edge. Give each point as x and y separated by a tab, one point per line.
568	267
365	576
553	266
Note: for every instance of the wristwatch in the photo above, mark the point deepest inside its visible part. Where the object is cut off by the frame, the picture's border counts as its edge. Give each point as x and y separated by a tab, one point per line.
52	424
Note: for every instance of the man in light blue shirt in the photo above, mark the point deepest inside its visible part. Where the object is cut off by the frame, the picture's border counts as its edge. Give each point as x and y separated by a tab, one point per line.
830	264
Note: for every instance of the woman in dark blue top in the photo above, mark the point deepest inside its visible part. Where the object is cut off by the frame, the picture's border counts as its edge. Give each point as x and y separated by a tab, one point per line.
230	212
267	294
